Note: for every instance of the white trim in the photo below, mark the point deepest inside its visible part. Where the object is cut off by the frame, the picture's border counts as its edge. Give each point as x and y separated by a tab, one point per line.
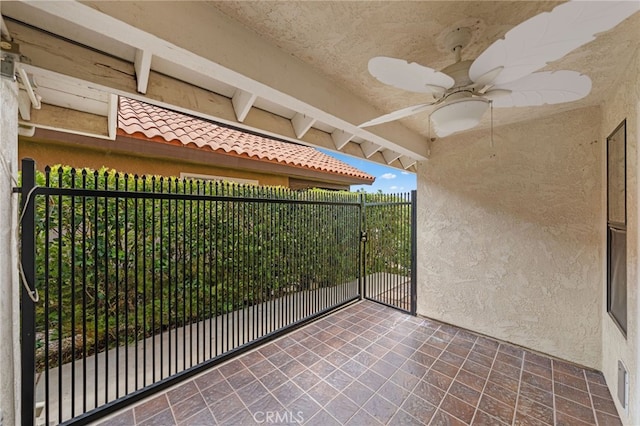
242	102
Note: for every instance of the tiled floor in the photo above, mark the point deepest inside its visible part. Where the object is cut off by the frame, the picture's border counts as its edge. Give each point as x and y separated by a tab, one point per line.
368	364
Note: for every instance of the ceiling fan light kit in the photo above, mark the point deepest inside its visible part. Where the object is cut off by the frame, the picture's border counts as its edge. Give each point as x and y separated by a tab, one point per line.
504	75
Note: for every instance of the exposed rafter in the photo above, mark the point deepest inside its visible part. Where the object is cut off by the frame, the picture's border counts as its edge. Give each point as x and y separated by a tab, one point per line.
341	138
407	161
301	124
142	65
369	148
242	102
390	156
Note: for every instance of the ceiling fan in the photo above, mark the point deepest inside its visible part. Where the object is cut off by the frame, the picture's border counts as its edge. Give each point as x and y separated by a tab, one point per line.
504	74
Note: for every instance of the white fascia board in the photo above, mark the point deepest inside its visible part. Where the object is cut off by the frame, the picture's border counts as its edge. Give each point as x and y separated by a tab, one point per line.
259	65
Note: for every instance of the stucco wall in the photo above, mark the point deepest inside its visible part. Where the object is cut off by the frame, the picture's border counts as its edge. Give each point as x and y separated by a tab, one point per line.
509	236
48	153
625	103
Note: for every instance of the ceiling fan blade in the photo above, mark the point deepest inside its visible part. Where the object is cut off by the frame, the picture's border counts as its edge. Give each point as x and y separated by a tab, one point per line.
409	76
549	36
541	88
396	115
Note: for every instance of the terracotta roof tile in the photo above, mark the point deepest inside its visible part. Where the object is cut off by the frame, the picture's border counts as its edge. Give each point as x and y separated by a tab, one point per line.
137	118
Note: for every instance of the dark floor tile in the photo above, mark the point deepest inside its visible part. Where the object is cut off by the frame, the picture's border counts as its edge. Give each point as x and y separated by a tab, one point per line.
394	359
569	380
201	418
322	418
595	377
124	418
322	368
563	419
445	368
226	408
504	381
403	418
574	409
262	368
537	381
572	394
353	368
393	393
266	403
496	409
430	350
507	370
252	392
274	379
542	361
419	408
536	394
442	418
208	379
522	420
163	418
252	358
371	379
287	393
459	350
380	409
306	380
429	392
280	358
188	407
151	407
604	405
292	368
485	352
362	418
465	393
599	391
605	419
342	408
244	417
414	368
438	379
181	392
241	379
475	368
471	380
529	408
232	367
511	350
532	368
503	395
296	350
568	368
508	359
339	379
480	358
384	369
323	392
358	393
305	407
452	358
457	408
308	358
483	419
487	342
215	393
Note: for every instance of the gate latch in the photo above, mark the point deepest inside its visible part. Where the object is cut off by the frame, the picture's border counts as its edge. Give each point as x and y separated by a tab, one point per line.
363	236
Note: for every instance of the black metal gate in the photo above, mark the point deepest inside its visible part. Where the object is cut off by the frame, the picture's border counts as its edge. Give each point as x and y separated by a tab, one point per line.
390	250
146	281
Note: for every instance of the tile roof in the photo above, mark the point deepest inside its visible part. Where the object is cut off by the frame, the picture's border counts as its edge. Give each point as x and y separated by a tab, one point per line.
145	121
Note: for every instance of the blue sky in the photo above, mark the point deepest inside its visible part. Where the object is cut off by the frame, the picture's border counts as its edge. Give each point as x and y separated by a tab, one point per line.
388	179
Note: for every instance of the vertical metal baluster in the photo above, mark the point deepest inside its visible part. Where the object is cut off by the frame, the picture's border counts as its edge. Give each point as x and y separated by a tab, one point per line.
153	282
184	275
72	277
47	299
211	259
226	255
144	284
177	272
161	255
106	288
96	281
190	274
60	233
126	285
217	281
136	227
117	283
169	294
198	272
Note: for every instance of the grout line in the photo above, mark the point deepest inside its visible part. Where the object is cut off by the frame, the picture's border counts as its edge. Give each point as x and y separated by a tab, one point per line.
593	407
553	392
515	405
495	356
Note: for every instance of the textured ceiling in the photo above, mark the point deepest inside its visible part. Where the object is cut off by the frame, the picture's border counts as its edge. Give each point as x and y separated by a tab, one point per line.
338	39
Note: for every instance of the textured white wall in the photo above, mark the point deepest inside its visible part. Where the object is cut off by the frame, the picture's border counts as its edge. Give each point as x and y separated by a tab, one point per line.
509	237
625	103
